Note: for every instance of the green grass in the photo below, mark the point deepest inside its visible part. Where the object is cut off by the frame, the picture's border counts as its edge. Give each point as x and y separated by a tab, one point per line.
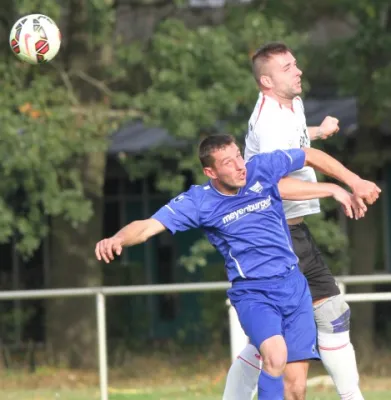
155	378
170	393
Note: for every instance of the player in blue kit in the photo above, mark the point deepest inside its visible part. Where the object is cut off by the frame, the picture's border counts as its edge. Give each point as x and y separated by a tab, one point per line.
240	211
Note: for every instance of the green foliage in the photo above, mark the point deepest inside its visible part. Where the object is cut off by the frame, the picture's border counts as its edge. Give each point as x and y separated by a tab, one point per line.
198	251
48	137
42	151
199	82
47	7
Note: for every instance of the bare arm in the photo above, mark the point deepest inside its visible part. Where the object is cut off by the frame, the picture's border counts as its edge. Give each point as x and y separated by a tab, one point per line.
327	128
134	233
314	132
329	166
296	189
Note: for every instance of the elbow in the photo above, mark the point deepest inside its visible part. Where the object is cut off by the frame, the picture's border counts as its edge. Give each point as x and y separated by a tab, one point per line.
283	194
308	151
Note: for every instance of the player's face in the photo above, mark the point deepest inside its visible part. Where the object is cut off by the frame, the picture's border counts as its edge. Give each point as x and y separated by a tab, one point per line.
285	76
229	171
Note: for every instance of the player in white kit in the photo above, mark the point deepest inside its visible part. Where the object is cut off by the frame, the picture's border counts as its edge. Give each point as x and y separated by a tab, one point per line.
278	122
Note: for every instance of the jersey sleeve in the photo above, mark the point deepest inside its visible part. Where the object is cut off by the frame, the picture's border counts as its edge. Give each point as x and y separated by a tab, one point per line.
180	214
277	164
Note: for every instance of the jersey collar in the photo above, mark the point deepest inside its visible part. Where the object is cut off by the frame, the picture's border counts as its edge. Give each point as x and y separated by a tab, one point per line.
223	194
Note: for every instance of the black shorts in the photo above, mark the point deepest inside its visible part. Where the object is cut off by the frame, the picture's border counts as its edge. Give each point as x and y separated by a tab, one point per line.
320	280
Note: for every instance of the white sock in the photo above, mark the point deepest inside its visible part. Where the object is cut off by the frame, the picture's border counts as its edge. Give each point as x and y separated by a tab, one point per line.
339	359
242	378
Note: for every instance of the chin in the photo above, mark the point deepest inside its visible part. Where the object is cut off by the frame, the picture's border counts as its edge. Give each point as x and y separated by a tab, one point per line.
242	184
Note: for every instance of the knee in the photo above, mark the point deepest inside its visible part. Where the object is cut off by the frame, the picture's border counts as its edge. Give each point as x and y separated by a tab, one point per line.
275	361
332	315
274	355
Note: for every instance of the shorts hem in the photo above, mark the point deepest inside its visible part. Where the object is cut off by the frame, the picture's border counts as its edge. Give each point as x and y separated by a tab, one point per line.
320	296
303	358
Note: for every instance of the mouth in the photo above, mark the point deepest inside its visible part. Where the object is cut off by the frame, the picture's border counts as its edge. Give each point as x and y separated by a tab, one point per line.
242	175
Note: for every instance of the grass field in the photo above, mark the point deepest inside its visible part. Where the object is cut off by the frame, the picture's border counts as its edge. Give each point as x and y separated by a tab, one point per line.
154	378
162	394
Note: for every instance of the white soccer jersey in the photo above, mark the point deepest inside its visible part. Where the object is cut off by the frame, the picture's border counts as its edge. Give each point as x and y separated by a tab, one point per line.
272	127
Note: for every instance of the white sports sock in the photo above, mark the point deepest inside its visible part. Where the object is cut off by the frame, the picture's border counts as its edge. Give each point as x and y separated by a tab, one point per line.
242	378
339	359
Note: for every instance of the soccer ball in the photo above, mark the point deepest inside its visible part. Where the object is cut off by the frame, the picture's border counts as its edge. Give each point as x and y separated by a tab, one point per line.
35	39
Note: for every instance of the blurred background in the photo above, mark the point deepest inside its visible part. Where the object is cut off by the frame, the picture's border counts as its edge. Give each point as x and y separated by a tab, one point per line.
107	132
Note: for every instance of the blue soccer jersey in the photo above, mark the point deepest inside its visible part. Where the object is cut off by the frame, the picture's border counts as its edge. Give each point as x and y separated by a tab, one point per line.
249	229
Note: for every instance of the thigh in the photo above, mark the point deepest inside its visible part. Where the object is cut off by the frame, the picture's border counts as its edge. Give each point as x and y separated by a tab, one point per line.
259	319
320	279
299	326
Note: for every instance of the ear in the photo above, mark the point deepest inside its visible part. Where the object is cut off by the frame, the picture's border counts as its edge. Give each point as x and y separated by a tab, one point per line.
266	81
209	172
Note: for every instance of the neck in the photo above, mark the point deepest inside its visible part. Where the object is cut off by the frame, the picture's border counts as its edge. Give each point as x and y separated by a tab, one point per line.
281	100
229	191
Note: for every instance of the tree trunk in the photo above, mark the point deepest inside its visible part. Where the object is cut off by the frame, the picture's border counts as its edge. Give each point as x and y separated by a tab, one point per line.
71	322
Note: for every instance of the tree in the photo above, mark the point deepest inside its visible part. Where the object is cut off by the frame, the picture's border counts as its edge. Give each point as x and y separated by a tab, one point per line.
53	153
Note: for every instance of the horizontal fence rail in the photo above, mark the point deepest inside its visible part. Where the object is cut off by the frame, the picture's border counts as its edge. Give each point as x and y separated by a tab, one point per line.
163	288
237	336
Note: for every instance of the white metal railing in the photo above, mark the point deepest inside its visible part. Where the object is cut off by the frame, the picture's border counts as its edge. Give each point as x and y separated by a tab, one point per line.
237	335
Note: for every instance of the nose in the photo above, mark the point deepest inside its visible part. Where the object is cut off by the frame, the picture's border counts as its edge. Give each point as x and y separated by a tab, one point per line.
240	164
299	72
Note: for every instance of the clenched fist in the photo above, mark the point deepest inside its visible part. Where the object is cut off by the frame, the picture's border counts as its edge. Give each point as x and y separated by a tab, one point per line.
366	190
328	127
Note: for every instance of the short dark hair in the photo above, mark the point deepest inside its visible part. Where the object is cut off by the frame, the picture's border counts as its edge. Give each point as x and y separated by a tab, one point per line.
210	144
263	54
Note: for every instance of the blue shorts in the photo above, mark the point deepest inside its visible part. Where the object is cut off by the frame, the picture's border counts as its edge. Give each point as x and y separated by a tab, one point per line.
278	306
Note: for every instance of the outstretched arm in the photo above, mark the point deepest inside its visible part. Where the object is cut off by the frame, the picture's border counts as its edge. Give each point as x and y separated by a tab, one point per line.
329	166
134	233
180	214
296	189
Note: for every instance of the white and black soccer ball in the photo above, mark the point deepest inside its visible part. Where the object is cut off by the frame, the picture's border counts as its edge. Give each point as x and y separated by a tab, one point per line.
35	39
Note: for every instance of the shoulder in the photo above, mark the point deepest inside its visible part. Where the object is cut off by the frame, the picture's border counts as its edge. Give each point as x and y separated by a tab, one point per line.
196	193
266	115
263	108
258	168
298	104
267	160
254	163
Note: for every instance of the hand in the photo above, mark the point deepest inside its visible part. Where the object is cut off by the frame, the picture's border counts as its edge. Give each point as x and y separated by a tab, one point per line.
106	249
358	206
328	127
366	190
353	206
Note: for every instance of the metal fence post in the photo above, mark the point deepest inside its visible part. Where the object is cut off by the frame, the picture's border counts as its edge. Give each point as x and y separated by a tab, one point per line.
342	288
102	345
